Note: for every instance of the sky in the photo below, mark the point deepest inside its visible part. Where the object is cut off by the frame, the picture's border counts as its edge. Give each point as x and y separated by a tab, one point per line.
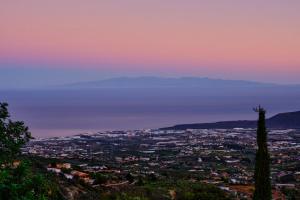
60	41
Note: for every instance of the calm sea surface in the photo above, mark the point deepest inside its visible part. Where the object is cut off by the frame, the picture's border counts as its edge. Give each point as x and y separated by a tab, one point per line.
66	112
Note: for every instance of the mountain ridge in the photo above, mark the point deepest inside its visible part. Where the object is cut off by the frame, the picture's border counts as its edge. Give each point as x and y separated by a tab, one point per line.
287	120
152	81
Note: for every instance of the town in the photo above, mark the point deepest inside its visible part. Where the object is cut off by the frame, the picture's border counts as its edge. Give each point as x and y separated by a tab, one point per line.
221	157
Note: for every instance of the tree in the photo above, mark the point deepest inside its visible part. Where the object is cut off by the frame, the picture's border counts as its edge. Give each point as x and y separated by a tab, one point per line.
100	178
24	183
13	135
129	178
262	161
21	182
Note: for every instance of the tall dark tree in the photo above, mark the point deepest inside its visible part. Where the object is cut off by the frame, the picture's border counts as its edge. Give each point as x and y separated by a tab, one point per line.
263	189
13	135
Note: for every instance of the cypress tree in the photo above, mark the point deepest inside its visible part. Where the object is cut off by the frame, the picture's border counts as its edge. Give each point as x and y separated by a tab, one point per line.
263	190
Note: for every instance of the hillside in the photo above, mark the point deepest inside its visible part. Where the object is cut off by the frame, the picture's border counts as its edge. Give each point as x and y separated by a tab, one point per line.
289	120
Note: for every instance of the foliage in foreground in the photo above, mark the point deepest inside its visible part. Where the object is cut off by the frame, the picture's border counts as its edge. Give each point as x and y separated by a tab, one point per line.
167	190
13	135
262	161
19	182
22	183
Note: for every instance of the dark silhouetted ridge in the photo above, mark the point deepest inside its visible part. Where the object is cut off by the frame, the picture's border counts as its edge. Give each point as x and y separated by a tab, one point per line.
285	120
289	120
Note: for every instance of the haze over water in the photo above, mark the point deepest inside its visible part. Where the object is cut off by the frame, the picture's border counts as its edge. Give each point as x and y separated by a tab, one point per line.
73	111
52	43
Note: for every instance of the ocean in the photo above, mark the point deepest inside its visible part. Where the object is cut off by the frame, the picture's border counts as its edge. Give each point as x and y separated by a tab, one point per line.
60	112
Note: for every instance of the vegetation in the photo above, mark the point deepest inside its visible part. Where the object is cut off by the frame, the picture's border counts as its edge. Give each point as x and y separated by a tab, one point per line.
167	190
23	183
13	135
26	179
18	180
100	178
291	194
262	162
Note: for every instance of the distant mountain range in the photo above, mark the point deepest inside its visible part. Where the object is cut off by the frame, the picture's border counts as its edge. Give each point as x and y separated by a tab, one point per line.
162	82
289	120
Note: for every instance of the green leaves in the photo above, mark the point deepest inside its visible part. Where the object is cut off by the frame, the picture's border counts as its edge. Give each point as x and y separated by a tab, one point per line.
262	161
13	135
17	182
22	184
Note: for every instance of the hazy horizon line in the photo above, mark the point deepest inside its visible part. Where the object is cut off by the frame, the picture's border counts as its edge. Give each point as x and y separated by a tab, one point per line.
70	83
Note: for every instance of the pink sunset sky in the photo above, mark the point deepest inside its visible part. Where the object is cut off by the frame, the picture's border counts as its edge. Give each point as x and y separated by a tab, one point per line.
253	40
